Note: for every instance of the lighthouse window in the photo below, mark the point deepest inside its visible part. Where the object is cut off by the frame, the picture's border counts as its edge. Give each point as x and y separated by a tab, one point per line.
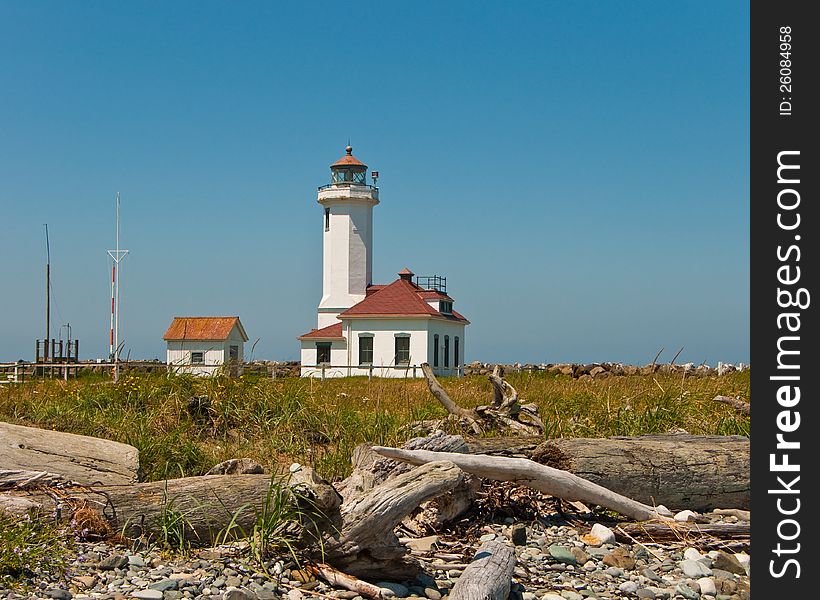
366	350
322	353
435	350
446	350
327	219
359	177
402	350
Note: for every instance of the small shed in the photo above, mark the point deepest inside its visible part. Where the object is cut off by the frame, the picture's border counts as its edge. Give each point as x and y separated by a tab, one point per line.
206	345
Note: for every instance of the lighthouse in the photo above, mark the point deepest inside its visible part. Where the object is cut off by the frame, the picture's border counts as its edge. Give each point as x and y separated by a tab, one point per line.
374	330
347	237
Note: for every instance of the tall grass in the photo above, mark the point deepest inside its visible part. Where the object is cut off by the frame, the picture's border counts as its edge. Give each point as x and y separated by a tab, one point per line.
280	421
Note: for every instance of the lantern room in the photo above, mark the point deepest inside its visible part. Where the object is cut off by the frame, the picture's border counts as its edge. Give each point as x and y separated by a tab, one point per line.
348	170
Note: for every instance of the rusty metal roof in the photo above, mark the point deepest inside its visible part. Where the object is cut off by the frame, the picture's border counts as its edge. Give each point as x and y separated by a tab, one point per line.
203	328
348	159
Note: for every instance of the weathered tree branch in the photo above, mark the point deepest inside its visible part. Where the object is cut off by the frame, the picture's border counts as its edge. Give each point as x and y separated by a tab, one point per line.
365	545
470	416
540	477
739	405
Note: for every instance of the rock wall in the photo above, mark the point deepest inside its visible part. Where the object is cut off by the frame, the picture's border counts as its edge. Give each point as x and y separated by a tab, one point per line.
604	370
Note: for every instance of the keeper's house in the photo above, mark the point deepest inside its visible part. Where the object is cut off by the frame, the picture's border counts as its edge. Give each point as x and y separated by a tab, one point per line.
205	345
365	329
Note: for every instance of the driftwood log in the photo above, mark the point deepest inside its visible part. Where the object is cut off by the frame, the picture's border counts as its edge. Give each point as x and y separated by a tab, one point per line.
548	480
370	469
676	470
488	577
204	507
76	457
366	545
719	535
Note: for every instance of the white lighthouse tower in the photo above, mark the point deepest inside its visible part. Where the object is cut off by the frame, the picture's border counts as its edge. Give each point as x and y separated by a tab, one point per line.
347	260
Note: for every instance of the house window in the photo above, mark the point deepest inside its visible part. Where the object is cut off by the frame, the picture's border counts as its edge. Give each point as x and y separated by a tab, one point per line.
366	350
403	350
456	359
197	358
327	219
435	350
322	353
446	350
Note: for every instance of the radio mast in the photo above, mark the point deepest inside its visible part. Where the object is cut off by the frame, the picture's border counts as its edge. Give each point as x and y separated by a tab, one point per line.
117	256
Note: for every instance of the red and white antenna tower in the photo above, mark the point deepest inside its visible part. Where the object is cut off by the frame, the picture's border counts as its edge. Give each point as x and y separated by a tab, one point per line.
117	256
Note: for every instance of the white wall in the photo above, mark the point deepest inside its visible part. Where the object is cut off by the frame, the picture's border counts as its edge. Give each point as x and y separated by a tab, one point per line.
345	356
179	356
338	356
216	353
446	328
347	248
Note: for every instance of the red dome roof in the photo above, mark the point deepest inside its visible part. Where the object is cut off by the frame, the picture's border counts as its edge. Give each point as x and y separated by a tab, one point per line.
348	160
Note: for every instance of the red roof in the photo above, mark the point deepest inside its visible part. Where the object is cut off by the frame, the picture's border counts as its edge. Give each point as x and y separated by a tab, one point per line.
402	298
203	328
348	159
326	333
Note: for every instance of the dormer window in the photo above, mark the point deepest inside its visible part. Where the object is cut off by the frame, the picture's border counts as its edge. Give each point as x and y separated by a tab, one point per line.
445	307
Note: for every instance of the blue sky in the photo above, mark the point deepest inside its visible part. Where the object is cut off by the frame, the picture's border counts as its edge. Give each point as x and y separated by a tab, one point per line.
578	170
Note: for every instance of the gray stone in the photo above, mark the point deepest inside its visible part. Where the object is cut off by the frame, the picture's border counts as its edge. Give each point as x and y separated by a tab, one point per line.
645	593
570	595
695	569
687	592
399	590
432	594
59	594
136	561
165	584
518	534
147	595
115	561
562	554
487	537
628	587
707	586
727	562
652	575
603	533
234	593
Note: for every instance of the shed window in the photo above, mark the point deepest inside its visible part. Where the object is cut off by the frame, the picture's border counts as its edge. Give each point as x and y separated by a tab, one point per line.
446	350
366	350
403	350
197	358
435	350
322	353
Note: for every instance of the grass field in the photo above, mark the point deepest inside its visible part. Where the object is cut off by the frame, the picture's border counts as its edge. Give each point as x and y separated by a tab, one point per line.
280	421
